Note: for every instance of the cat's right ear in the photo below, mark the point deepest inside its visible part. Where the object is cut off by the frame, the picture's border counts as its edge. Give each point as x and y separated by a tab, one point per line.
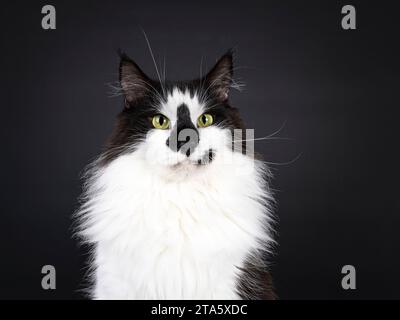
133	80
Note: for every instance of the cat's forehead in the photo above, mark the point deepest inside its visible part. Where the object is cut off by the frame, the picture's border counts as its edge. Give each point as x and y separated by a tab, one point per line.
178	96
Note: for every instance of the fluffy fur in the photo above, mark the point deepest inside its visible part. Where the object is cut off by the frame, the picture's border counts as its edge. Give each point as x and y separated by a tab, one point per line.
164	226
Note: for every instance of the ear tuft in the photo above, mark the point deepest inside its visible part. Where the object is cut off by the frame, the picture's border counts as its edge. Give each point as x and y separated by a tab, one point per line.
133	80
220	77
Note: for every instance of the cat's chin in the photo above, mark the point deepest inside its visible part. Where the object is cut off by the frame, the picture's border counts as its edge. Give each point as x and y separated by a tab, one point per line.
204	160
189	167
184	165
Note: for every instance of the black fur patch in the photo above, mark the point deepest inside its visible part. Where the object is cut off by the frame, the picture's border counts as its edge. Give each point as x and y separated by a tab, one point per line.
255	282
184	132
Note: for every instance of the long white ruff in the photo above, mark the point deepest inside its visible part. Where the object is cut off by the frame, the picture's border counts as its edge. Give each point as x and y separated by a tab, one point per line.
166	232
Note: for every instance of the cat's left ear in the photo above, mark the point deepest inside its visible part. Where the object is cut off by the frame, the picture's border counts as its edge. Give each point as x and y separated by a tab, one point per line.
134	82
220	78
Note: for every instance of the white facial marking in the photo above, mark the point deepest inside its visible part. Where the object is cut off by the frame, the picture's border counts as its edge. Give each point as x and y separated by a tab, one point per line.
177	98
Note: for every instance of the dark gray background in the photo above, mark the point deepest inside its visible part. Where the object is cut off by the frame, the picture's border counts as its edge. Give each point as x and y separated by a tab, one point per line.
335	90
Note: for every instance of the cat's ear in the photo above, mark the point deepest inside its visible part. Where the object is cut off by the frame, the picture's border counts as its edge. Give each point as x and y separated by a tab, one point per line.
220	78
133	80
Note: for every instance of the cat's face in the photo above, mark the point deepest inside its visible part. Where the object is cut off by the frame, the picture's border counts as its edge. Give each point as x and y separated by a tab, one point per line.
175	125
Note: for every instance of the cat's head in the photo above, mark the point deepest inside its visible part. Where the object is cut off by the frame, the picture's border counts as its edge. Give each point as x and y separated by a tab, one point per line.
175	124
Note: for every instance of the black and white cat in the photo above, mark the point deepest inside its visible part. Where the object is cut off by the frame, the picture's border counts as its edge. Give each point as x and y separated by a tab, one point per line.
169	217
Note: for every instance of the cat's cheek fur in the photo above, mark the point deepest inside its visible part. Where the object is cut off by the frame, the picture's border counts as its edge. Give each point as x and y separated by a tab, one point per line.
154	239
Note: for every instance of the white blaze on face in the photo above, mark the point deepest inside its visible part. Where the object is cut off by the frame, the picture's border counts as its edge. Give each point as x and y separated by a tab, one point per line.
177	98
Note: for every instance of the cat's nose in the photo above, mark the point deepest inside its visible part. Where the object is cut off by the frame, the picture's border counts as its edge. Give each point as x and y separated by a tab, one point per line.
184	136
183	140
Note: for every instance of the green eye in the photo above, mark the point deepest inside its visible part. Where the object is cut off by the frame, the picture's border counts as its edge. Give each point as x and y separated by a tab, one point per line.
205	120
160	122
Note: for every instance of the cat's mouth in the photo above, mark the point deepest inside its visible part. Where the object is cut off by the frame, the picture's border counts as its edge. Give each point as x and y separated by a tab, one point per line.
206	159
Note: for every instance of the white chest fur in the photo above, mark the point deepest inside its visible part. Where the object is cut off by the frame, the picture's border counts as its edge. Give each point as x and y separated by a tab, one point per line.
157	238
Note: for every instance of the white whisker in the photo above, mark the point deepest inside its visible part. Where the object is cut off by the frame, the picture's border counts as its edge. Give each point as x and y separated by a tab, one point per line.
284	163
263	138
154	60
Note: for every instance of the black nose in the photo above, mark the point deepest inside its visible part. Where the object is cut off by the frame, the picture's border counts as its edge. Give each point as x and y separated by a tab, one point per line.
185	140
184	136
181	143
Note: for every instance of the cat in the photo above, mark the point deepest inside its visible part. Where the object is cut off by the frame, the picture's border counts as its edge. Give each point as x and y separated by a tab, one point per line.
166	215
